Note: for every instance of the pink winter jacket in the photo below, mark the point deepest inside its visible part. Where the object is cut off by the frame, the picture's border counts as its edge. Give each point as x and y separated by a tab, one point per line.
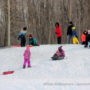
60	54
27	53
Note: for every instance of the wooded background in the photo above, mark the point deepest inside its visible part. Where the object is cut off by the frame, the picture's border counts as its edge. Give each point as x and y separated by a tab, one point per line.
40	16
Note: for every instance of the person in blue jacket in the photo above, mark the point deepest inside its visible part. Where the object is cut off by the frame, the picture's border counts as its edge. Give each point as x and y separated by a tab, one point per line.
69	32
22	37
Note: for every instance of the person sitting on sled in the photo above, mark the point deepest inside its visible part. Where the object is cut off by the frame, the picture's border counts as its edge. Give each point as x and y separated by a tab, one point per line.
59	55
27	55
33	41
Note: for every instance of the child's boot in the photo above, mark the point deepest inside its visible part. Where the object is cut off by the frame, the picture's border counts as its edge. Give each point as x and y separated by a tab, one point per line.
29	66
89	44
23	66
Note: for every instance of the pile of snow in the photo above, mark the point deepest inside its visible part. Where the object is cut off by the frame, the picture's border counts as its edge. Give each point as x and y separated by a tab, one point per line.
72	73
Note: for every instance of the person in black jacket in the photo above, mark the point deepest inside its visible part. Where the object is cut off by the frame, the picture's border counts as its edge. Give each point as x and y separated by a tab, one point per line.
87	43
69	32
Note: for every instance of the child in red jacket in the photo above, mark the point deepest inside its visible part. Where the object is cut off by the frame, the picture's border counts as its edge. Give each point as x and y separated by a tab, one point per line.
58	32
83	37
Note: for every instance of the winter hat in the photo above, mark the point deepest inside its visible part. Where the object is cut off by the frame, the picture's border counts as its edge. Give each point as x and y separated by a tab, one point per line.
30	35
74	28
85	32
24	28
88	31
60	48
71	22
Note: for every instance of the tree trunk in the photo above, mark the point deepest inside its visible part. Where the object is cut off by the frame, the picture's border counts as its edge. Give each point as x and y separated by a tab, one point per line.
40	16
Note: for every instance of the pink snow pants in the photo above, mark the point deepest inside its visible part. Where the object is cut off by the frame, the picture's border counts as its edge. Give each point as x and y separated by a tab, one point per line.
26	61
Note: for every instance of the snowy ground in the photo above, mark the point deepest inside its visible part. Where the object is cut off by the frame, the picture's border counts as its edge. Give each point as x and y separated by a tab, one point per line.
72	73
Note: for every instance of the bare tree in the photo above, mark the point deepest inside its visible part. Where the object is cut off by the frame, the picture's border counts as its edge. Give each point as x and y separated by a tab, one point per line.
40	16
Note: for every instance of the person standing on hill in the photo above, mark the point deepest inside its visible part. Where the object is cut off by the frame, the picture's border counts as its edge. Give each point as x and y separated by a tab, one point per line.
87	43
22	37
69	33
83	37
74	36
58	31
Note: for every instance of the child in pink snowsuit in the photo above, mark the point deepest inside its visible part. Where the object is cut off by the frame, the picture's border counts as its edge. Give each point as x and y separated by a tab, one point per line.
27	55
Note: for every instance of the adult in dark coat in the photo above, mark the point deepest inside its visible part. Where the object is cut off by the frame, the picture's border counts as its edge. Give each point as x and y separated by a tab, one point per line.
87	39
69	32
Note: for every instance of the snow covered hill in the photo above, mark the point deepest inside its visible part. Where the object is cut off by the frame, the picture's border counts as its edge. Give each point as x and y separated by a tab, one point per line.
72	73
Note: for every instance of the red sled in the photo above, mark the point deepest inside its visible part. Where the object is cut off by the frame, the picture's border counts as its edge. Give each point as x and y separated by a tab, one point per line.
8	72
